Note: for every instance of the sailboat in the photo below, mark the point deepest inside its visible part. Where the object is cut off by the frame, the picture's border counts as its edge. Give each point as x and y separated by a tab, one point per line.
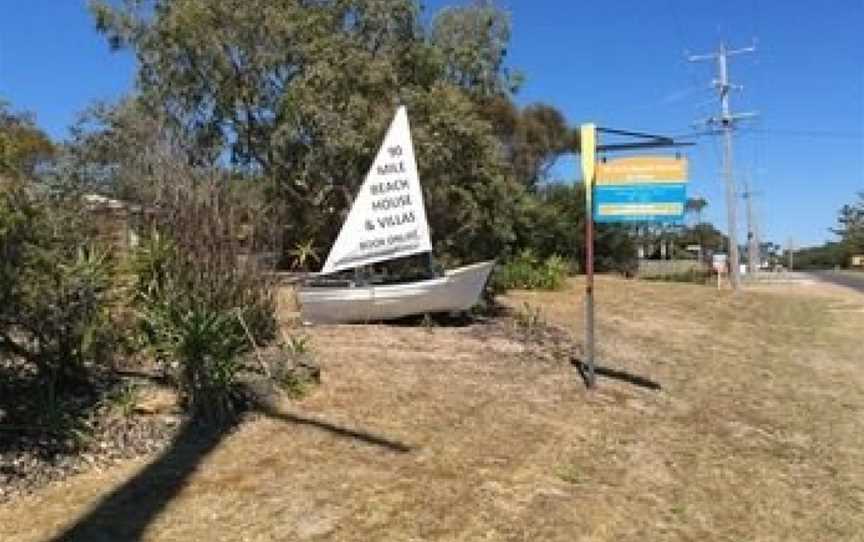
387	221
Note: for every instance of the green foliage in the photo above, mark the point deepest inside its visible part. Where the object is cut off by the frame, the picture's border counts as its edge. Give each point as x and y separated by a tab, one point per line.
55	290
189	290
123	399
825	256
23	146
189	319
124	150
294	385
471	197
696	276
693	207
206	343
527	272
528	320
709	237
299	96
533	138
151	264
850	228
472	40
295	370
304	254
551	222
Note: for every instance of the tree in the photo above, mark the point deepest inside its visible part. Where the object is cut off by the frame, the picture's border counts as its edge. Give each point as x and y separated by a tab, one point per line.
23	146
473	42
825	256
123	150
850	227
54	287
298	95
710	238
533	138
694	207
551	222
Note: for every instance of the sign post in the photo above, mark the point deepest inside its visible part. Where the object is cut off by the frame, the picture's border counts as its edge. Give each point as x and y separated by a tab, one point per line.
588	133
720	263
635	189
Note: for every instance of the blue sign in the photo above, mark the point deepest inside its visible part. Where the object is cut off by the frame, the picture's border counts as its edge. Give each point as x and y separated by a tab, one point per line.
640	202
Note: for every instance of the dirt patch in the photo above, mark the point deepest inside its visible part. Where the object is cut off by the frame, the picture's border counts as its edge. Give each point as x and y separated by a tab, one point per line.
125	420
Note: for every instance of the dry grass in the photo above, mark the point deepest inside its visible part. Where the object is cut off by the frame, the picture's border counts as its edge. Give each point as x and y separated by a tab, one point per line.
758	434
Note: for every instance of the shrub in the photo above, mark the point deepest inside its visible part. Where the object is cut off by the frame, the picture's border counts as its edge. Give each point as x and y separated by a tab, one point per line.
150	264
191	294
54	290
528	320
205	342
189	319
697	276
296	369
527	272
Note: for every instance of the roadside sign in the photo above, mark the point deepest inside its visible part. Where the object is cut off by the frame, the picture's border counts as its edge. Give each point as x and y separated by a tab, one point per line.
640	189
719	262
629	189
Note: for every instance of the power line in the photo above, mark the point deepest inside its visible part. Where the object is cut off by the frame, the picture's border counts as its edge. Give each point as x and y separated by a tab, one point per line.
815	134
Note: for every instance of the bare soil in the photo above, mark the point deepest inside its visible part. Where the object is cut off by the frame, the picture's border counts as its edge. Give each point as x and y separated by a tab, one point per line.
486	432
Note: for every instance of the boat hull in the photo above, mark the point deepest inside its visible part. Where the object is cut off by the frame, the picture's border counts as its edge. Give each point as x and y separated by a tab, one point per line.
458	290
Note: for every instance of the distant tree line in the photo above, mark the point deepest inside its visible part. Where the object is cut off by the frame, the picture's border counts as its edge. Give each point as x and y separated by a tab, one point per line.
850	228
850	233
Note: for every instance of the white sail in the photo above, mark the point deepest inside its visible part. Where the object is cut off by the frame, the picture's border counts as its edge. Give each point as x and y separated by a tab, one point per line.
388	218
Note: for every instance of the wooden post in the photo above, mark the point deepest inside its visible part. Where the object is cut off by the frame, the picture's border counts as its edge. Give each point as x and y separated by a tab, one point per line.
588	141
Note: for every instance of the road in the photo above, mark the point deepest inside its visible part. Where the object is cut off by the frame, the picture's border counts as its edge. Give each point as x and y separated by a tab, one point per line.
850	279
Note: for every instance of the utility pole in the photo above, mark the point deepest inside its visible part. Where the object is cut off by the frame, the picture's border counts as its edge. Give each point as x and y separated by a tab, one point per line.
753	245
791	253
726	122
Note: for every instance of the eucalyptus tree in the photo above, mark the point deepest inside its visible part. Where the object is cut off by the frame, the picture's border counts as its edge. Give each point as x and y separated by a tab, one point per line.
23	146
694	207
473	41
297	94
850	226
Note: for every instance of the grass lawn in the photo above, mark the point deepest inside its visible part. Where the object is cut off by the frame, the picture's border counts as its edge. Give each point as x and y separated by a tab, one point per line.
461	434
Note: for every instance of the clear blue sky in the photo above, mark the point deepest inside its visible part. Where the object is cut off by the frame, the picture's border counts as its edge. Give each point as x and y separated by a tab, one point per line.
620	64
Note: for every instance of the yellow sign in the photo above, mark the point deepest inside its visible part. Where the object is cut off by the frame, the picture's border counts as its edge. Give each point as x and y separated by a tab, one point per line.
588	141
642	169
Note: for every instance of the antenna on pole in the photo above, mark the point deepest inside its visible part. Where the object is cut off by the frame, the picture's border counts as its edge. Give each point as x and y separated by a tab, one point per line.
726	122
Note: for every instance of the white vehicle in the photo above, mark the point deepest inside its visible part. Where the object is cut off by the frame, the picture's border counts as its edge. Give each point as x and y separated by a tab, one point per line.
387	221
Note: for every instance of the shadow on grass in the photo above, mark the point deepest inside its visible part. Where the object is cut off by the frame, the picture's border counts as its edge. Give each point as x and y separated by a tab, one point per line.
126	512
37	421
339	431
616	374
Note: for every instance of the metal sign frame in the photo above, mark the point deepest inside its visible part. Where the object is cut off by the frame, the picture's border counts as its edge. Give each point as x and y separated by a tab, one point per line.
589	148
